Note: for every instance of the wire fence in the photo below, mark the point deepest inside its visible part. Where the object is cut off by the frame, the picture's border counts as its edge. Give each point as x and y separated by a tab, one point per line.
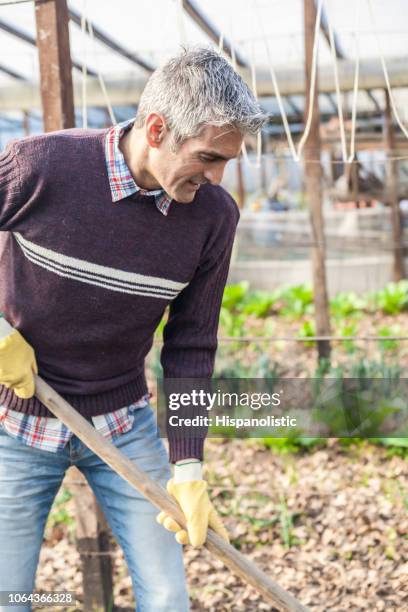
243	339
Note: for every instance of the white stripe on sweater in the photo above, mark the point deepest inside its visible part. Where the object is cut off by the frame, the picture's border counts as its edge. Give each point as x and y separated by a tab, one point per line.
101	276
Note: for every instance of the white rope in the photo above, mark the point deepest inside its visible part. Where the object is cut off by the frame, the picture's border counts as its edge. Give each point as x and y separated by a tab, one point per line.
245	156
221	42
355	88
385	71
100	77
312	80
255	92
259	154
276	89
338	93
234	65
84	66
296	153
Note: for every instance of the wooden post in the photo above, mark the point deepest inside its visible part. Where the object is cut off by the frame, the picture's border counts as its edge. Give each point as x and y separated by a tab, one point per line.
93	544
392	187
313	185
55	64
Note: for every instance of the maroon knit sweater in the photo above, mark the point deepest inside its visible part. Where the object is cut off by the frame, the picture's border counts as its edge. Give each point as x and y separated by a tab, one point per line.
86	280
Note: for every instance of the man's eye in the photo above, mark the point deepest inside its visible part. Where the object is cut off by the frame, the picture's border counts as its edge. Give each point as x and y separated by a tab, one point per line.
206	159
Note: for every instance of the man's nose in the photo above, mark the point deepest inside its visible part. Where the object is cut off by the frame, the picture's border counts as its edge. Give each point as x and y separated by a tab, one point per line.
214	174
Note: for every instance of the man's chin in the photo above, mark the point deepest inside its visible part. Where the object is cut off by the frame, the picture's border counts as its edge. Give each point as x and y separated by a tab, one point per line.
185	198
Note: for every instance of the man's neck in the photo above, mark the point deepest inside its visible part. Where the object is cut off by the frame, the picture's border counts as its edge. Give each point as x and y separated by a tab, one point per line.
136	157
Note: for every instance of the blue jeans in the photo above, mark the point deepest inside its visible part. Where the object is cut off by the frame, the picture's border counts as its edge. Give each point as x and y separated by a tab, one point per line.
29	481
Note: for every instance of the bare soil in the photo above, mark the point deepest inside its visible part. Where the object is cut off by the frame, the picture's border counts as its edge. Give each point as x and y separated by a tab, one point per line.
330	526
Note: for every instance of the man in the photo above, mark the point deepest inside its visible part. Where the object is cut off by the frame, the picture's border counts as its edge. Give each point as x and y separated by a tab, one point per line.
102	230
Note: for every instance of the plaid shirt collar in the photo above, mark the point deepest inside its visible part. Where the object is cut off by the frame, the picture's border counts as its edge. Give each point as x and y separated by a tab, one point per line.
121	181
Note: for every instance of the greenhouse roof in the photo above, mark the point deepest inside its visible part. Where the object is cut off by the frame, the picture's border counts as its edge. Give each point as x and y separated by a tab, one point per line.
154	31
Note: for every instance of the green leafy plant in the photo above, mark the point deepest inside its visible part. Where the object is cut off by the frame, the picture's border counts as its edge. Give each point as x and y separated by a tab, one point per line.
228	366
394	446
155	364
393	299
307	330
232	324
348	329
364	368
286	519
59	514
346	304
385	331
323	367
234	295
159	329
258	303
293	444
358	399
296	301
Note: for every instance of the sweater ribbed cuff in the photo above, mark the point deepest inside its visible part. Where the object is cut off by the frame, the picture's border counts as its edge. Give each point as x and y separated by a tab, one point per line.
87	405
184	448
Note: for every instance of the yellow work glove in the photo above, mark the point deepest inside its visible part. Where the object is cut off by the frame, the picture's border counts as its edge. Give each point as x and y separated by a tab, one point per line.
200	514
17	365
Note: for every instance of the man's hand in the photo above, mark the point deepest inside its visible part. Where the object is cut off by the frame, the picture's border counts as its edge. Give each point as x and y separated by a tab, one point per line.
17	362
200	514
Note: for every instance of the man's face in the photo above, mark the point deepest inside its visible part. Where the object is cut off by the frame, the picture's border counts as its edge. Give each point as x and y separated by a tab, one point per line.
196	161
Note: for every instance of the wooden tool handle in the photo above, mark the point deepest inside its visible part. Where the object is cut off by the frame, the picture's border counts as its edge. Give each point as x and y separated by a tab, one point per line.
157	495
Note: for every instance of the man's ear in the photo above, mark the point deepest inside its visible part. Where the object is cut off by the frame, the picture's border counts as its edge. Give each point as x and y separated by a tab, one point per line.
155	130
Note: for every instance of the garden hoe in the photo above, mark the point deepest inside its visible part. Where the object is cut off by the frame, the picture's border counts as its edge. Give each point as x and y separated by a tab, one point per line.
157	495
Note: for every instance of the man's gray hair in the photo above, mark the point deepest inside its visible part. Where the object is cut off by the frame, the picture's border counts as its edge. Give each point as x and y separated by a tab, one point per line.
199	87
